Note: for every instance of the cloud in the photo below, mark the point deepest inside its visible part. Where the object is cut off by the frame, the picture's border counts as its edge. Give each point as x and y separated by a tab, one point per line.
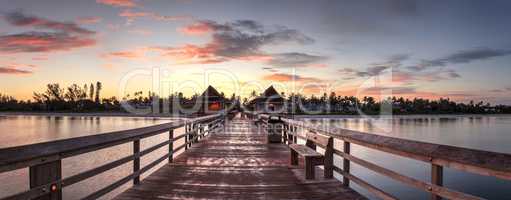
42	42
378	90
461	57
131	16
197	28
238	40
141	32
283	77
18	18
88	20
63	36
134	54
393	61
294	59
370	71
14	71
118	3
375	69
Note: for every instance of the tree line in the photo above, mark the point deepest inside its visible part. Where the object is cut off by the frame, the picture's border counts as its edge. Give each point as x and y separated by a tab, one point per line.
87	98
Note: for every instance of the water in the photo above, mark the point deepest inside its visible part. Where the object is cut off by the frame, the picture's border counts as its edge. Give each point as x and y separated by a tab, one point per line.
491	133
18	130
478	132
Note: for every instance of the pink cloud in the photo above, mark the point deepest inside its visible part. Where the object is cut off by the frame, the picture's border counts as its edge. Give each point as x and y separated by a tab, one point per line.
282	77
14	71
42	42
20	19
63	36
197	28
191	54
118	3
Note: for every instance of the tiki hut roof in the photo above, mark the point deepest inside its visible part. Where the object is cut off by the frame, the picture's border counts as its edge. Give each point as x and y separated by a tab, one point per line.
269	95
211	94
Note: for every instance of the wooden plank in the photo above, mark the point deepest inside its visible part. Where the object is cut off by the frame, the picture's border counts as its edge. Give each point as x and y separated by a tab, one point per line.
237	164
318	139
305	151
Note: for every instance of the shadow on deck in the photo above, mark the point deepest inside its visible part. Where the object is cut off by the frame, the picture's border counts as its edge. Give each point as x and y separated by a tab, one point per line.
237	164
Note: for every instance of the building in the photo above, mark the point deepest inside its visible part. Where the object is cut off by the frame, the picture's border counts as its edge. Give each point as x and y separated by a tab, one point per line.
269	101
211	101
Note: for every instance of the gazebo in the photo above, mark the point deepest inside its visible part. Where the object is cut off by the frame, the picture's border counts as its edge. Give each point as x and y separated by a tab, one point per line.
270	101
211	101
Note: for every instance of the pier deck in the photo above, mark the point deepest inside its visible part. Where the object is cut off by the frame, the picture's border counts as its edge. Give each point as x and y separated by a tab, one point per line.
236	164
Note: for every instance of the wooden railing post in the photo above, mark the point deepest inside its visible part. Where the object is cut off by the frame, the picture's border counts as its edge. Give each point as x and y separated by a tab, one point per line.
295	132
171	145
285	133
437	175
195	135
136	161
186	136
346	164
46	173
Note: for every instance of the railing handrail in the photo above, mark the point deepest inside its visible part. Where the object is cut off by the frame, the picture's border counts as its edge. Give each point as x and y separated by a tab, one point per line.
478	161
44	160
437	155
17	157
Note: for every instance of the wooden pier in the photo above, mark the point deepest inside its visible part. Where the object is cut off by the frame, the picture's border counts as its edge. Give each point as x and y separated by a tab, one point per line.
227	157
236	164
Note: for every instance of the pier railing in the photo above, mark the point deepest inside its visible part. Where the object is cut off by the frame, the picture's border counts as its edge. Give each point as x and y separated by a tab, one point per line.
44	160
437	156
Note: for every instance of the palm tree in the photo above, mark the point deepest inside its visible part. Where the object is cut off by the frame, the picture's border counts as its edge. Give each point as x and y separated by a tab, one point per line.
98	90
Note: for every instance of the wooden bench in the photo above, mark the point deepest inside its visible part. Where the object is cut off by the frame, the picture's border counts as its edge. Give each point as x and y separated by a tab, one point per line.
312	157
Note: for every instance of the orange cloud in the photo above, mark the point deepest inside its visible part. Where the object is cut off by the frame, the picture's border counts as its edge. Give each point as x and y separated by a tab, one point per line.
136	54
88	20
259	58
118	3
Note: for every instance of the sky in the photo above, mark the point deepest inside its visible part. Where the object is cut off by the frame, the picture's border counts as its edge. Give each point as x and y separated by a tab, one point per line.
457	49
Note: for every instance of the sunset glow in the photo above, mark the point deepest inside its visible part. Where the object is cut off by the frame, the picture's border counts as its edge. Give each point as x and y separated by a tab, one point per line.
418	48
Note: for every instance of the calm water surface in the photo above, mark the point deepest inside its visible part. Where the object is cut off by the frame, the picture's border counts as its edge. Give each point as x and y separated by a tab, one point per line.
490	132
480	132
23	129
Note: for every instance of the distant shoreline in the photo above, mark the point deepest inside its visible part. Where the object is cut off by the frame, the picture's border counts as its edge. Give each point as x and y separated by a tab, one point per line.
329	116
90	114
